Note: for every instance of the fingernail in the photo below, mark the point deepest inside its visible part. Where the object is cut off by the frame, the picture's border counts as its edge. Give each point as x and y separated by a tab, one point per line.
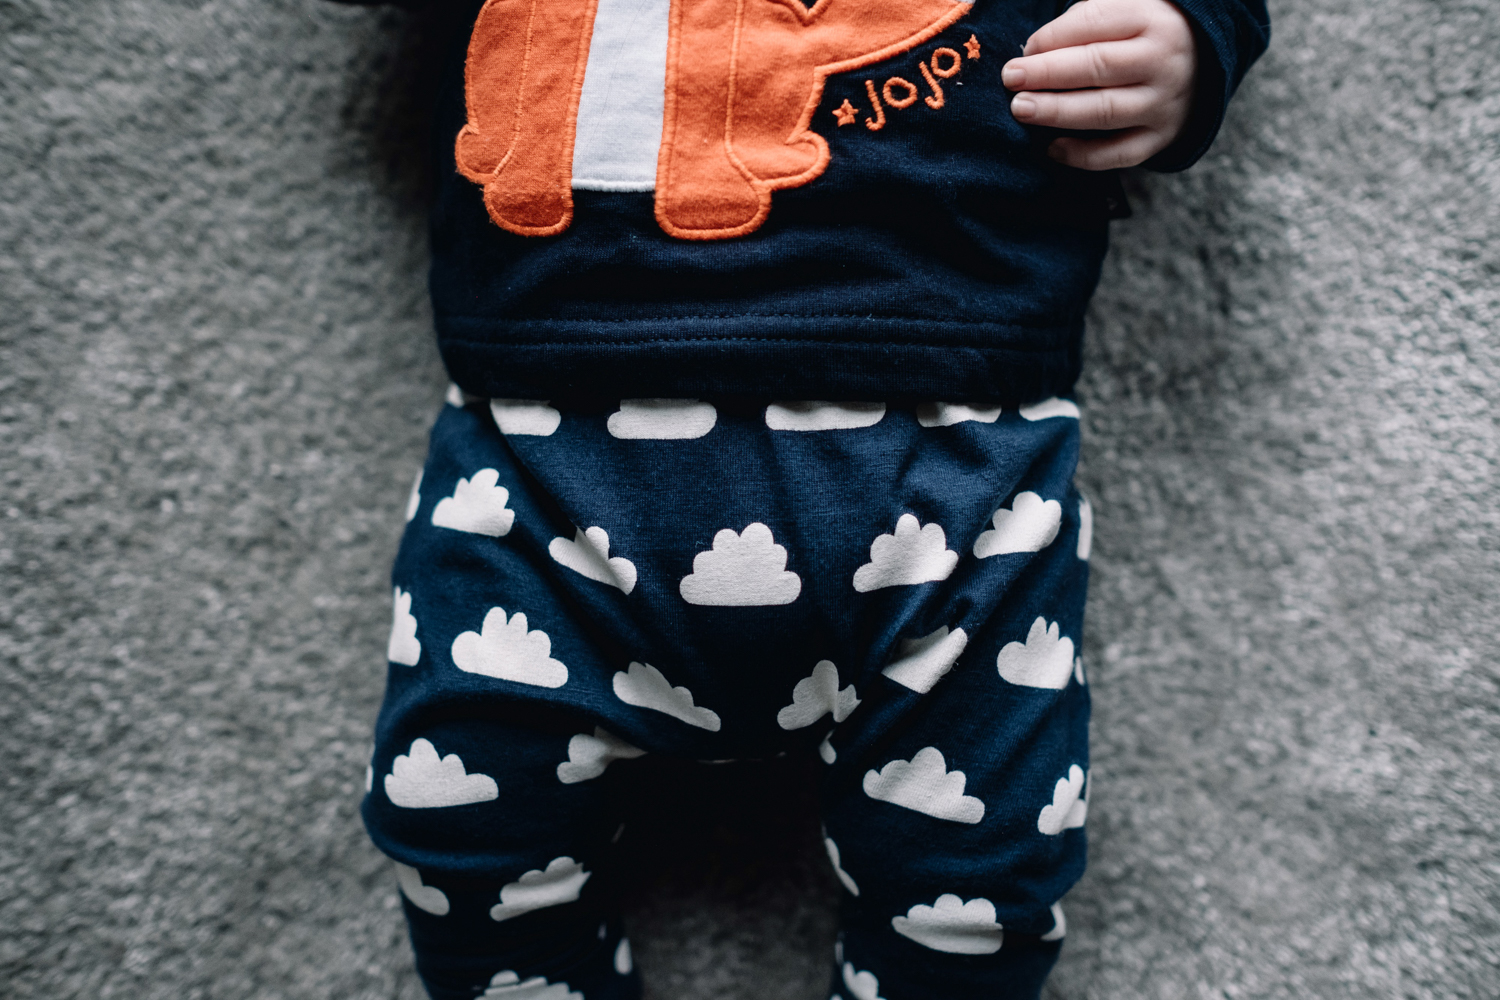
1013	76
1023	107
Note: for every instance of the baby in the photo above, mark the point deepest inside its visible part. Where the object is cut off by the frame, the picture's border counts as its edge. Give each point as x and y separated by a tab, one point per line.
763	320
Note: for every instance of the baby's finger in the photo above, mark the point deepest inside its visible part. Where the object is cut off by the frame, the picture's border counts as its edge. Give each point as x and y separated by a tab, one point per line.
1090	21
1101	64
1103	109
1128	149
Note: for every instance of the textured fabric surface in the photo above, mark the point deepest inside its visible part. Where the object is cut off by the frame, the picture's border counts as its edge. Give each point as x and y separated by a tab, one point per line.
216	378
895	592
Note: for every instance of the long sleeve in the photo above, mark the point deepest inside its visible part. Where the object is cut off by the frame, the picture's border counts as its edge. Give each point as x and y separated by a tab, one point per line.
1231	35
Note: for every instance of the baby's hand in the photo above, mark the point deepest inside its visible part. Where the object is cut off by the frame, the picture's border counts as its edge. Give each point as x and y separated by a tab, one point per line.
1123	65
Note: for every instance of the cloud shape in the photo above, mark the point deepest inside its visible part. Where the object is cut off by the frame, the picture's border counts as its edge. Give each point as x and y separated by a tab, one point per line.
560	882
1053	407
1085	527
925	784
1044	660
423	897
419	779
506	650
643	686
1078	671
403	647
1059	925
476	506
827	752
1068	808
916	553
662	419
506	985
921	663
588	756
624	961
1028	525
953	926
862	985
838	869
525	416
818	695
454	396
948	414
816	415
588	555
741	570
414	500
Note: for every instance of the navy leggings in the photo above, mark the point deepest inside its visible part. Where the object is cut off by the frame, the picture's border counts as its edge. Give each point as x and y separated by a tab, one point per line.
897	591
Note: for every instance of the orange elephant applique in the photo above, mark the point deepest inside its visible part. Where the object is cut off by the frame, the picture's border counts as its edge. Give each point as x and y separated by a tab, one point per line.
743	78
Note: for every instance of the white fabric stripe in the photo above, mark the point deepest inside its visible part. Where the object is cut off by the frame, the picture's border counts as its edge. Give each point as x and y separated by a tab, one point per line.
620	109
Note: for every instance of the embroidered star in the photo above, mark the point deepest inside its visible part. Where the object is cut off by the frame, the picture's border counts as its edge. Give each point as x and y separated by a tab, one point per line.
845	113
973	46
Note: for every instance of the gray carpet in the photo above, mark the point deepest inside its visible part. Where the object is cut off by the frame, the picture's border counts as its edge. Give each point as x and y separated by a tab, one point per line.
216	374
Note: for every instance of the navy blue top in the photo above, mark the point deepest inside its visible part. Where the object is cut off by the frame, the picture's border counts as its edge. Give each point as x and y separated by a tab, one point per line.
944	257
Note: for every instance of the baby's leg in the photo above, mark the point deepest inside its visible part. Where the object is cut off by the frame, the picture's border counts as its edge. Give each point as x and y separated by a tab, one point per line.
955	797
492	776
504	839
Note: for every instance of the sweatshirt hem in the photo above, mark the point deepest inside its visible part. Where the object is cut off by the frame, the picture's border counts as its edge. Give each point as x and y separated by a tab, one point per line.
868	358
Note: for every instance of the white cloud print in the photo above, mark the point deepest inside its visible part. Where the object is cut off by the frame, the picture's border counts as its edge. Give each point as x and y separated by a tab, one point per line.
662	419
948	414
588	555
1029	524
508	651
560	882
414	500
816	696
1059	924
838	868
1069	808
741	570
861	985
1053	407
953	926
643	686
921	663
420	779
588	756
423	897
915	553
403	647
525	416
815	415
507	985
476	506
925	784
1044	660
1085	528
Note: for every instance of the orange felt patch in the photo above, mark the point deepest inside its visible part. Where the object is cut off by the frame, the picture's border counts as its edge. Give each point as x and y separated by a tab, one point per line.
522	80
743	80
